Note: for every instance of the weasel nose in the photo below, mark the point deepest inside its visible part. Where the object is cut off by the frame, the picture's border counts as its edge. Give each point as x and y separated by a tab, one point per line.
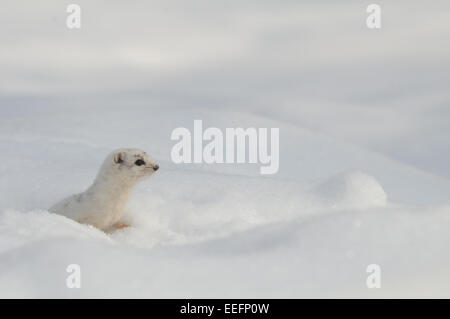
155	167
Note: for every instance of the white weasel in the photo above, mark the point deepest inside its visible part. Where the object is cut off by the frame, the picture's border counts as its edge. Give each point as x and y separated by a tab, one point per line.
102	205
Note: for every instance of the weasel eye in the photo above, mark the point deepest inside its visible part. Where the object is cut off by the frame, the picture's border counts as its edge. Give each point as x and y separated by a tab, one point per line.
139	162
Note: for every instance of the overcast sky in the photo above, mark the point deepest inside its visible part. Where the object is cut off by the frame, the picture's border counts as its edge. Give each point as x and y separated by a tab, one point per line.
313	64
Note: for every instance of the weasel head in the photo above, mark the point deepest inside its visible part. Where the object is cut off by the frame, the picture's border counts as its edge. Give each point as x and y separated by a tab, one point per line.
130	164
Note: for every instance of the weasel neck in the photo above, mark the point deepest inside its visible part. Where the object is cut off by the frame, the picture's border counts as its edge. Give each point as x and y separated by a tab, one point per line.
111	190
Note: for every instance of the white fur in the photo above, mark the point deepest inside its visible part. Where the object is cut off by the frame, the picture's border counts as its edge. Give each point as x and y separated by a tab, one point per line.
102	205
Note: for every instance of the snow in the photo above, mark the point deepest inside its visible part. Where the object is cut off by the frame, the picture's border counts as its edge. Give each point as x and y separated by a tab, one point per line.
364	139
216	230
352	190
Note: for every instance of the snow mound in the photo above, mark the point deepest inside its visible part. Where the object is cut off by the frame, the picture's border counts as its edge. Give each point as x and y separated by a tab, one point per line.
355	190
18	229
181	207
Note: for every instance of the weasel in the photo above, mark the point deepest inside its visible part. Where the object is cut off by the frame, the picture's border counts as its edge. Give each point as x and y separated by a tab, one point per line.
102	204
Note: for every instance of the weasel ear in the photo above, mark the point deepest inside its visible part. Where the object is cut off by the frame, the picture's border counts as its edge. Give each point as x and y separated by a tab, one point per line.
119	158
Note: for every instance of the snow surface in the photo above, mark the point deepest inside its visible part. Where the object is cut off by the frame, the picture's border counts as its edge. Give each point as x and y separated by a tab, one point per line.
364	149
216	230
